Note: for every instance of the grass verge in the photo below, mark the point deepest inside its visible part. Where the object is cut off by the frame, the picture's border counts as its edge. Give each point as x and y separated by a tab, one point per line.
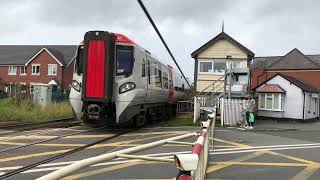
26	111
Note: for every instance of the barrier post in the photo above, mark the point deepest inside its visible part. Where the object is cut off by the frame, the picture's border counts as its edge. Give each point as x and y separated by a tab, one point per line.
193	166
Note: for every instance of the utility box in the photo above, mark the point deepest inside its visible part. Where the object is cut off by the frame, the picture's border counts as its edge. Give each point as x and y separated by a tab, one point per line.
42	94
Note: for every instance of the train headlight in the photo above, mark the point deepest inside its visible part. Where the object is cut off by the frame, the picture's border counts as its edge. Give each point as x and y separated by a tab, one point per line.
128	86
75	85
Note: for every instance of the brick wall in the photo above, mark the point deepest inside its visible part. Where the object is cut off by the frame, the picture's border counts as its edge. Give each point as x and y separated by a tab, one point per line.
67	75
44	58
308	76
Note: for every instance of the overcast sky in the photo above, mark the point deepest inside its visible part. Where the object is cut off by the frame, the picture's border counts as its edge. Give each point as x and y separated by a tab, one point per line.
267	27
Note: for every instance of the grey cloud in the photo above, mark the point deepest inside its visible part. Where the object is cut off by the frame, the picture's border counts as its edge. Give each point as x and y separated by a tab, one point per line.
267	27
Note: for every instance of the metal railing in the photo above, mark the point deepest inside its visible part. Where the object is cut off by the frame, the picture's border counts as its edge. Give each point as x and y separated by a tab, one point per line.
208	98
193	166
201	99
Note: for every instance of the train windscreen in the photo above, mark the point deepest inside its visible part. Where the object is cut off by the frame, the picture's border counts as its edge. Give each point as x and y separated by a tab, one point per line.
124	55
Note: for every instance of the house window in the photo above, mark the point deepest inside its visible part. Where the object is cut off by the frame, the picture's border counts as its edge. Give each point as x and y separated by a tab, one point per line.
35	69
271	102
12	70
52	69
214	67
23	70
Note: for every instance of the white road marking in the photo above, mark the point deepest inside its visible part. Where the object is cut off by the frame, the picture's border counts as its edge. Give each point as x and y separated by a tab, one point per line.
265	149
10	168
55	166
273	146
115	161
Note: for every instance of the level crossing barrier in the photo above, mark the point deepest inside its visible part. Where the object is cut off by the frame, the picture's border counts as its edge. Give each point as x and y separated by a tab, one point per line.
198	157
193	166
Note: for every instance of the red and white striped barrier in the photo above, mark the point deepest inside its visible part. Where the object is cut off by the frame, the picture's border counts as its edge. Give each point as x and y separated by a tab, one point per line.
193	166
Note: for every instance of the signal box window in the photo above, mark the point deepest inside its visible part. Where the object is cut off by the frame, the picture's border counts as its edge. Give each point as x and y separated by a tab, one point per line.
35	69
206	67
124	60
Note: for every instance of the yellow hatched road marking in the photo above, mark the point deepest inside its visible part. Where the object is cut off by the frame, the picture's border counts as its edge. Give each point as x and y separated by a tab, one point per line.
243	158
103	170
15	158
230	142
33	155
12	143
291	157
311	166
32	137
307	172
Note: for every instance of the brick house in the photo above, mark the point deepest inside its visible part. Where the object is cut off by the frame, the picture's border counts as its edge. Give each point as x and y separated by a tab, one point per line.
287	86
294	63
36	64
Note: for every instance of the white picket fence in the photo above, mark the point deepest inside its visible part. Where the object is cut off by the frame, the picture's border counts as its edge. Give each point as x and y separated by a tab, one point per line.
230	110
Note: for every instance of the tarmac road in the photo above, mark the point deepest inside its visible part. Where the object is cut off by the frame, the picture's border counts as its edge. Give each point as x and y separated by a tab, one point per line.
270	151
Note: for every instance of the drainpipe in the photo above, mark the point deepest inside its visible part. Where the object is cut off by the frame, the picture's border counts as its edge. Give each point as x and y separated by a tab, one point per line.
304	98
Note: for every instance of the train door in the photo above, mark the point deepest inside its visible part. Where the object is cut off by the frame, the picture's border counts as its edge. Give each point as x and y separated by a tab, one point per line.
171	87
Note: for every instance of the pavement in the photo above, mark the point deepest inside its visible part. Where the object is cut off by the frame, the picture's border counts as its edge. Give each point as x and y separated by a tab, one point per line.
277	153
272	150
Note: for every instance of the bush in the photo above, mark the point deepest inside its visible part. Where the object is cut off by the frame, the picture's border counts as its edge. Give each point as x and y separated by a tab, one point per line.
27	111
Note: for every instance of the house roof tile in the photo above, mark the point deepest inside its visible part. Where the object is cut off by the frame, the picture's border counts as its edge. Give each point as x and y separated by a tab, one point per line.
298	82
271	88
21	54
295	59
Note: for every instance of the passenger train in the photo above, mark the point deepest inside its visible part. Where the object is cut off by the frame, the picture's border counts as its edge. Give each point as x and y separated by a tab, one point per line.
115	81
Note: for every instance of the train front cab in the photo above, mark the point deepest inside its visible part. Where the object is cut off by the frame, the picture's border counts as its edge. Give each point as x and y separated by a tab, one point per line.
98	77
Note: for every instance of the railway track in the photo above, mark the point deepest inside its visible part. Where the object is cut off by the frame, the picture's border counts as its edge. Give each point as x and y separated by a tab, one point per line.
66	122
51	139
33	165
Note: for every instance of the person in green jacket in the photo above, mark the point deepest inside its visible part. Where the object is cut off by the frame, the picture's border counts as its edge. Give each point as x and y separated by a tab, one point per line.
251	108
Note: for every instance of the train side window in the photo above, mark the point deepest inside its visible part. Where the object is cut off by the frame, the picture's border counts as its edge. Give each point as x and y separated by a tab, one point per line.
155	69
143	68
159	77
165	80
79	60
148	61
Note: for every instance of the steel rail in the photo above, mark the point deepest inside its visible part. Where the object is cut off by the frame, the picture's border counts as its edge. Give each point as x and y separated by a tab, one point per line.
30	166
47	140
31	126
